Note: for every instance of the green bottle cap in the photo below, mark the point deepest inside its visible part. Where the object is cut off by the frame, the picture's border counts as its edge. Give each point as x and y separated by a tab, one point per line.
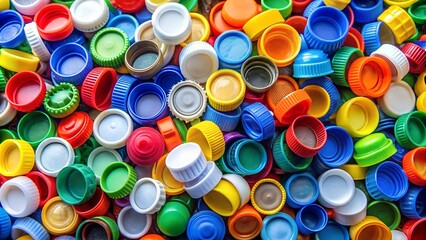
36	126
7	134
112	225
387	212
87	148
189	4
186	200
78	159
76	184
108	47
182	129
410	130
118	179
373	149
415	36
343	58
61	100
25	47
417	12
173	219
410	79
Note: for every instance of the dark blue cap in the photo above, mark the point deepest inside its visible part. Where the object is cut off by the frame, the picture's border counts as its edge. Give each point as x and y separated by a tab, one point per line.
412	205
258	122
385	122
167	77
386	181
226	121
400	151
37	216
371	32
121	91
127	23
31	227
312	63
201	205
279	226
143	15
338	148
233	48
147	103
5	224
302	189
11	29
311	218
206	225
366	11
421	43
70	63
75	37
333	231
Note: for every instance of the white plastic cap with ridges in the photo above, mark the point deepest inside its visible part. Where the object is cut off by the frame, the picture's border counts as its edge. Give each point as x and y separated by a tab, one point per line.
396	59
186	162
241	185
353	212
28	7
398	100
148	196
52	155
36	43
336	188
89	15
19	197
7	113
132	224
112	127
172	23
187	100
204	183
198	60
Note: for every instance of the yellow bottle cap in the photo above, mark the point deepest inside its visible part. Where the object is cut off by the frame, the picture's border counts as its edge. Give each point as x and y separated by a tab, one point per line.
224	199
320	100
356	172
225	90
259	23
161	173
200	29
370	228
59	218
359	116
400	3
209	137
339	4
420	85
18	61
24	237
421	102
4	5
268	196
400	23
16	158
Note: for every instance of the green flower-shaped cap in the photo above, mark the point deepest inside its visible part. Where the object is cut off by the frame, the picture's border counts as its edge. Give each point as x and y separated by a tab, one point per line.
118	179
61	100
410	130
343	58
373	149
36	126
108	47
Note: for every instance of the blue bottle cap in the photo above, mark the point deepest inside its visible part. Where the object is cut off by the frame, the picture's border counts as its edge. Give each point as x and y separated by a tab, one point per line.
11	29
167	77
376	34
311	218
421	43
279	226
37	215
147	103
5	224
304	44
65	237
75	37
121	91
326	29
143	15
70	63
400	151
258	122
318	166
226	121
233	48
386	181
312	63
412	205
333	231
302	189
206	225
338	148
247	157
312	6
29	226
366	11
127	23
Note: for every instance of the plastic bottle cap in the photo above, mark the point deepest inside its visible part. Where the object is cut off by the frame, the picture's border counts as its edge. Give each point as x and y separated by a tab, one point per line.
76	128
237	13
17	158
279	225
187	100
61	100
311	218
387	212
145	31
18	61
148	196
414	229
232	48
100	158
28	8
396	60
217	23
356	172
246	223
173	219
336	188
128	6
398	235
320	100
370	227
52	155
98	205
36	43
242	150
354	39
28	226
94	227
301	189
209	137
19	197
97	88
36	126
112	128
339	4
413	162
224	199
259	23
398	100
144	59
12	29
341	62
281	43
99	15
259	73
268	196
197	61
241	185
353	212
117	179
416	57
133	224
145	146
206	224
45	185
338	148
333	229
179	24
398	20
200	29
6	223
59	218
205	182
127	23
162	173
282	87
54	22
7	112
311	63
420	85
152	5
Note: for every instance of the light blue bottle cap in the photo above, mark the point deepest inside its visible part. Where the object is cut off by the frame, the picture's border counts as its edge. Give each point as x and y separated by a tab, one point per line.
279	226
247	157
333	231
5	224
302	189
233	48
127	23
226	121
312	63
30	227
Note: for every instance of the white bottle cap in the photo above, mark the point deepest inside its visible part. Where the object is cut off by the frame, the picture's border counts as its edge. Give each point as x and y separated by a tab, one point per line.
187	100
52	155
172	23
186	162
336	188
19	196
28	7
354	211
89	15
100	158
398	100
396	60
112	127
241	185
204	183
132	224
148	196
36	43
398	235
198	60
153	5
7	112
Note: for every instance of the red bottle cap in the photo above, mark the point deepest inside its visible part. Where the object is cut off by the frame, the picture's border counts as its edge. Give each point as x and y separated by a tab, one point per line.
415	229
300	5
251	97
128	6
97	88
54	22
416	57
145	146
46	186
25	91
76	128
98	205
175	58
